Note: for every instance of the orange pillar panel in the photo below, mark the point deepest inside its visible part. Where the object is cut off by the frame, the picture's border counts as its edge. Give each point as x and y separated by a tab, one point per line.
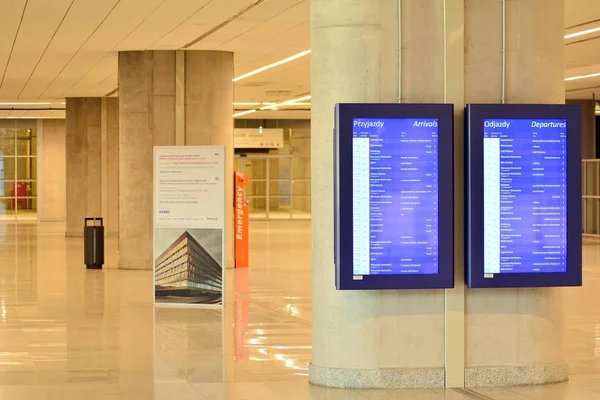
241	221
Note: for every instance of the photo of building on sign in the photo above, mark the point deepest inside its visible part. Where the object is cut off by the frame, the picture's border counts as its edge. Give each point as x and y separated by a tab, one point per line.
189	266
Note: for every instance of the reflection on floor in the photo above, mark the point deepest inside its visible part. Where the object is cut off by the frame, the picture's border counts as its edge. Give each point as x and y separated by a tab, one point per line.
67	333
17	215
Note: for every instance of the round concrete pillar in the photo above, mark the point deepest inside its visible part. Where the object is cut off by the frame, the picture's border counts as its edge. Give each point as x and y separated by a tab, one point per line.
514	336
400	338
369	339
167	98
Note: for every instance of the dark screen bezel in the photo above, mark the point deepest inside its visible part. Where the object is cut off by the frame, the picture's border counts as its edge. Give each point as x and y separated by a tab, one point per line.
343	216
474	129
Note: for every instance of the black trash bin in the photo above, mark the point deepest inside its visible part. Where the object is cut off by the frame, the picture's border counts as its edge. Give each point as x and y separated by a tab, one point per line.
93	243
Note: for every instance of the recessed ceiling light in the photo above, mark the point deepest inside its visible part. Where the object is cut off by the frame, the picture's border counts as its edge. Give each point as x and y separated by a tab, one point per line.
275	64
581	33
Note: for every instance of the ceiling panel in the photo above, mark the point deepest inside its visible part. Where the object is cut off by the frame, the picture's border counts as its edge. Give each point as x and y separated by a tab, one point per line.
31	41
106	68
167	17
10	18
270	31
210	16
121	22
578	12
294	78
278	48
83	19
80	57
253	19
582	54
107	85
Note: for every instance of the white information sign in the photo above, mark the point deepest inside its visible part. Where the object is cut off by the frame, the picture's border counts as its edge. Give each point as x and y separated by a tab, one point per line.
189	225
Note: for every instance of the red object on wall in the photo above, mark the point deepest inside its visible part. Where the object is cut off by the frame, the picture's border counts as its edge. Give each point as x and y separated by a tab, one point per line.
20	188
241	220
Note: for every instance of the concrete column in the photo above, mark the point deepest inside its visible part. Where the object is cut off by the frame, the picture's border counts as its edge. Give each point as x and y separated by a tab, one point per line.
515	336
208	113
370	338
92	149
408	338
83	162
52	171
110	165
150	115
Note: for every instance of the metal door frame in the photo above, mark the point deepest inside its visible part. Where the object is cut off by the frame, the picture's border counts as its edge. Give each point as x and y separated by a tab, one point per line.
267	180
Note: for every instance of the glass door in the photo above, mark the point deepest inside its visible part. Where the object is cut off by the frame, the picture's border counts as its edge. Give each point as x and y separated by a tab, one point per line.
18	172
273	190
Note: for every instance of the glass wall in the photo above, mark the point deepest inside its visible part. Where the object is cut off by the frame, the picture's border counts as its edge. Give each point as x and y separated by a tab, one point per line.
18	169
279	179
274	190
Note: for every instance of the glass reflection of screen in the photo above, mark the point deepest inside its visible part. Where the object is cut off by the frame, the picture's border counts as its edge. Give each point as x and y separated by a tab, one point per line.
395	196
525	195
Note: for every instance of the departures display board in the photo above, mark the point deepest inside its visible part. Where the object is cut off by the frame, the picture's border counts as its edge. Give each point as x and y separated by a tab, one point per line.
523	195
394	196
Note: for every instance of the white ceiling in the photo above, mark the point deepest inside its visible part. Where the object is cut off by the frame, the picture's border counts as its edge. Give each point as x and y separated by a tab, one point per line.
582	54
52	49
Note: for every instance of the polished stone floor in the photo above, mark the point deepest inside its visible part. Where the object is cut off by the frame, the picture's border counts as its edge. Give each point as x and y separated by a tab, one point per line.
67	333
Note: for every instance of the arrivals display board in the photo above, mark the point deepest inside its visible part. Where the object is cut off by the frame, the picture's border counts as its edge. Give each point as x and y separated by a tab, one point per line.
523	195
394	196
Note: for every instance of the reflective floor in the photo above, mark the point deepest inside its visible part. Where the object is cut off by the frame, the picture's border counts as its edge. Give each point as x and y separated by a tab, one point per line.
67	333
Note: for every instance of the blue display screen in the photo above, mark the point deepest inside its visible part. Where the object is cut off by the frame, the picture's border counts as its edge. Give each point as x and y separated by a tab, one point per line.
395	196
525	195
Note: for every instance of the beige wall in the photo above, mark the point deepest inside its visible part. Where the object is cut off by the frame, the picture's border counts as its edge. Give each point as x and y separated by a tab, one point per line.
52	178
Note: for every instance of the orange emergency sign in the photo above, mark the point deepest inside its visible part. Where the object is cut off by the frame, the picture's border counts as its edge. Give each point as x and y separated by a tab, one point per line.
241	220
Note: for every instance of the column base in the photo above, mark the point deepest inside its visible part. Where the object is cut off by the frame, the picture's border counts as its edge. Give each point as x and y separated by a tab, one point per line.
385	378
516	375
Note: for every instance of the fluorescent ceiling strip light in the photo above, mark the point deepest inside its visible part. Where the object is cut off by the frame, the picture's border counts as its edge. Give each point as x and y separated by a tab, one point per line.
251	103
581	33
275	64
285	103
575	78
274	106
243	113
